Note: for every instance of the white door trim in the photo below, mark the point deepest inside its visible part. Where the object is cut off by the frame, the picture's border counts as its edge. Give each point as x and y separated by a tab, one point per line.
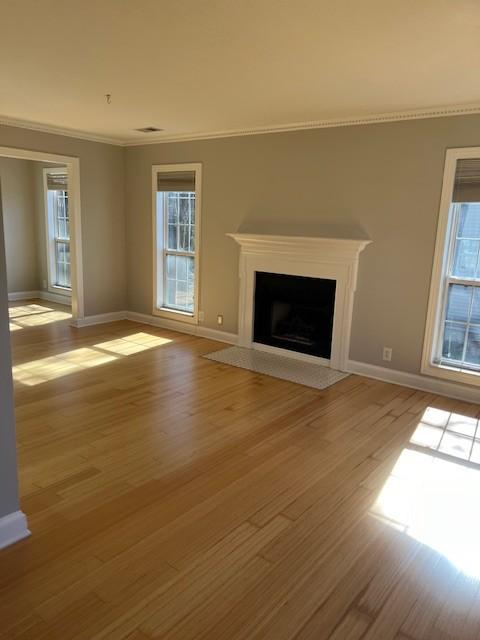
73	171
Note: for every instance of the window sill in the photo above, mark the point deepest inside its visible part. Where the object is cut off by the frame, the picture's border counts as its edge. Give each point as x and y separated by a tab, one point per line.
180	316
451	373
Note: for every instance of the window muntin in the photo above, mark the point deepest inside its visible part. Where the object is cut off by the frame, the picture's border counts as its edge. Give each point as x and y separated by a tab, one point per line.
176	229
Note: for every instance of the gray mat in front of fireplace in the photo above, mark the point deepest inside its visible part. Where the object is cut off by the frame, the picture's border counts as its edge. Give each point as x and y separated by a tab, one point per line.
271	364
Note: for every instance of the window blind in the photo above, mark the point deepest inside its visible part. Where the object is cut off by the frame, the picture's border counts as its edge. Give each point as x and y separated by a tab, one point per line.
467	181
176	181
57	181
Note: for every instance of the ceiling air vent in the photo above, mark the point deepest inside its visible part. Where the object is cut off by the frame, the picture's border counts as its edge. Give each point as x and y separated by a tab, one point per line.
149	129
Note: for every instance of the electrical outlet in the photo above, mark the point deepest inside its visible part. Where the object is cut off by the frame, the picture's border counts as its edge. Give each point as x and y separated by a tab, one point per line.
219	320
387	354
44	284
201	316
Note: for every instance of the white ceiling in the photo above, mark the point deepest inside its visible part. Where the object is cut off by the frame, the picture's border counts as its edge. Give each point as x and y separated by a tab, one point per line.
203	66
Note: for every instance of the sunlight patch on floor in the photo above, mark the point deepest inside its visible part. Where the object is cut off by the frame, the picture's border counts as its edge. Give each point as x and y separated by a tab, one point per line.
450	433
34	315
134	343
432	494
45	369
53	367
27	310
40	319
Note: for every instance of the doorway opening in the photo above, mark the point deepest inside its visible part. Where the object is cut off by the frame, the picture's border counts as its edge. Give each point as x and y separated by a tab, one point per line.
42	228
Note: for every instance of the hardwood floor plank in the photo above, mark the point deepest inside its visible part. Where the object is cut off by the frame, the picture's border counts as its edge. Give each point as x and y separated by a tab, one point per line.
177	498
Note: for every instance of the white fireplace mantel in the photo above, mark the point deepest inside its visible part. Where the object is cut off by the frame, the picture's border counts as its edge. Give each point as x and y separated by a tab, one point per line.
316	257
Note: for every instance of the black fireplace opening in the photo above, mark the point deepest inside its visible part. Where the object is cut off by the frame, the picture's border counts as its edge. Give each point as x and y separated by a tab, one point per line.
294	312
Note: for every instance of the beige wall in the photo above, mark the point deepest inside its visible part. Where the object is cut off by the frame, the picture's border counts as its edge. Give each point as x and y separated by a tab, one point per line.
102	202
19	216
24	224
384	180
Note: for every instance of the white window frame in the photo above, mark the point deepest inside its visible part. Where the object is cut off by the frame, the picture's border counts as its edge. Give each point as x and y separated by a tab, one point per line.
50	237
439	283
158	308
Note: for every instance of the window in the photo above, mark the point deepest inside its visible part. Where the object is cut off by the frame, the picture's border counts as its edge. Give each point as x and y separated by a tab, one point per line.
452	343
58	229
176	240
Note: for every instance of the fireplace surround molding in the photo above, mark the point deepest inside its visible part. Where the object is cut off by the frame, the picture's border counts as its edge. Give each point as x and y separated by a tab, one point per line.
316	257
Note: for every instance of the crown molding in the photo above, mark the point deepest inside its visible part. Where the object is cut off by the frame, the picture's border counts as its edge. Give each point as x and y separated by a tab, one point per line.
394	116
58	131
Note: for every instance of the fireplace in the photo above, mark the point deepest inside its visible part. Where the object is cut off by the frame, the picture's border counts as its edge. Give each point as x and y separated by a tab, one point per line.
296	295
294	312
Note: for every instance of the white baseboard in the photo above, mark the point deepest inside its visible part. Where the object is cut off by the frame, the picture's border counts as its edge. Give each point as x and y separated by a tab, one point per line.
215	334
164	323
101	318
55	297
415	381
40	295
13	527
412	380
22	295
183	327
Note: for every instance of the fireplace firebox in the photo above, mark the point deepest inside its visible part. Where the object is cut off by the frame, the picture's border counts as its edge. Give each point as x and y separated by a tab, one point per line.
294	313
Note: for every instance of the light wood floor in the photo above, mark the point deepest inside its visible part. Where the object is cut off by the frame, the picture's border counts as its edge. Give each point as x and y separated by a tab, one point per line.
173	497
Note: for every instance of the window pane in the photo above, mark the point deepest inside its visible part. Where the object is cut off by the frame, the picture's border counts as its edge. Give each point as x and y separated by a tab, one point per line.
171	288
171	267
181	293
467	246
466	258
184	216
190	280
179	285
60	274
62	264
475	318
60	212
472	355
181	217
181	268
172	237
453	341
192	208
68	279
192	238
183	238
469	222
459	301
172	206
